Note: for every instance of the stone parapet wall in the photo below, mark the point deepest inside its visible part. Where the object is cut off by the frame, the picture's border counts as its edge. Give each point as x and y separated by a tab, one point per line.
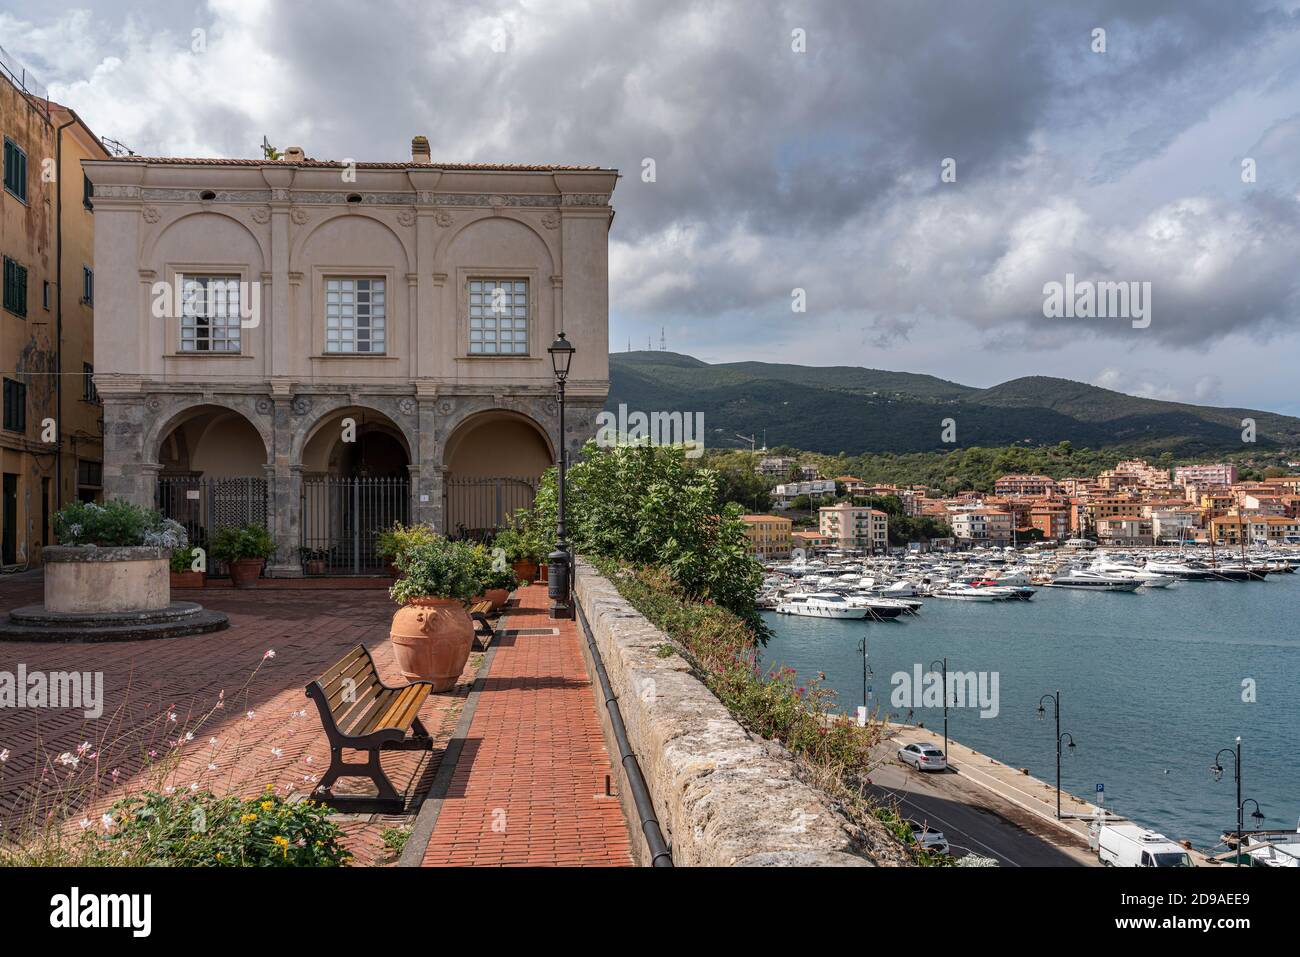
723	796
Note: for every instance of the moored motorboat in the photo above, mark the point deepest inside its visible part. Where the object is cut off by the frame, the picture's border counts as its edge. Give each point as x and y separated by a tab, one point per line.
1093	581
820	605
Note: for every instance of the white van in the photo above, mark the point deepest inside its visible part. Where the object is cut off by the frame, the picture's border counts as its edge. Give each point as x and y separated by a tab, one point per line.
1130	845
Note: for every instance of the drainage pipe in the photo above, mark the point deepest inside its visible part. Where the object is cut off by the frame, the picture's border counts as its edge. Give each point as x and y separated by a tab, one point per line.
660	855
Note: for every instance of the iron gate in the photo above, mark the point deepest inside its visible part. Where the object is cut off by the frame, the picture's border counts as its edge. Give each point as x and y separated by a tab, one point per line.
204	505
342	519
476	507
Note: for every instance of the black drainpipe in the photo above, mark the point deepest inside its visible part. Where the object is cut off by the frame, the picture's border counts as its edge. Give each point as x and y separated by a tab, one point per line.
645	809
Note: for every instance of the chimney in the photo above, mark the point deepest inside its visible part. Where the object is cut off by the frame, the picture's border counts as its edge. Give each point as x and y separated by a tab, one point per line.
294	154
420	151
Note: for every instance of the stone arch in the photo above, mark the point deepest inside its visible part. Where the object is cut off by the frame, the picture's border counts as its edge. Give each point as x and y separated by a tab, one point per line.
151	244
300	242
315	419
508	424
549	243
178	413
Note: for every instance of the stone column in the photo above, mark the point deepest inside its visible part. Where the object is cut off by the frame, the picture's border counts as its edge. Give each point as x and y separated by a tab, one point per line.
125	472
426	471
284	506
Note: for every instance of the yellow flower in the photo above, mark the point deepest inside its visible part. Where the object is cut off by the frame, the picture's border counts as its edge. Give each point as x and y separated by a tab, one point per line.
248	817
270	787
267	805
284	845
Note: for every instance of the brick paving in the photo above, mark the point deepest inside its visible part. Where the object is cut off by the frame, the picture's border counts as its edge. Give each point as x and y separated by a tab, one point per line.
529	788
146	682
533	765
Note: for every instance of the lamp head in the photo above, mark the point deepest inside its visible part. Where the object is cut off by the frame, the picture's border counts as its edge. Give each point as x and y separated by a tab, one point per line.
561	351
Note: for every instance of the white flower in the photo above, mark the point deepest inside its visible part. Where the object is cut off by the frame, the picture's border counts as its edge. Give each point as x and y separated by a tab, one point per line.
84	822
106	820
270	653
68	759
212	767
250	715
4	755
189	735
276	752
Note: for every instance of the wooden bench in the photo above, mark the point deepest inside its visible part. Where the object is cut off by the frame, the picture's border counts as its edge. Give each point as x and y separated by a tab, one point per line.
483	629
360	712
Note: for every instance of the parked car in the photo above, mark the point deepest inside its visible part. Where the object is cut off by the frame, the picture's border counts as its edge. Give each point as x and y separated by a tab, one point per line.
929	840
1130	845
923	757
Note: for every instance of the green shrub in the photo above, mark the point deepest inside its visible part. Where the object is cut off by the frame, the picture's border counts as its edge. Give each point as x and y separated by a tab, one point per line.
644	505
115	524
396	540
439	568
199	829
234	542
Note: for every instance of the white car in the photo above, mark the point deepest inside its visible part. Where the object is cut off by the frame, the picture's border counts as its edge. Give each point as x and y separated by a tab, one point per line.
929	840
923	757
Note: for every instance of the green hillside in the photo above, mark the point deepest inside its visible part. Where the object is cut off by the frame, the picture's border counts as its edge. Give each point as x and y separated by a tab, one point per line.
854	410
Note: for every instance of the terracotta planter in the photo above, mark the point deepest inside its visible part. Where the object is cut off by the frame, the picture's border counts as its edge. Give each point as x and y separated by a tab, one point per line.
544	573
190	579
527	570
431	640
315	566
244	572
498	597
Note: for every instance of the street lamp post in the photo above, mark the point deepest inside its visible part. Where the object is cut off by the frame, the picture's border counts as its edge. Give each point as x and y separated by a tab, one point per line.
559	573
866	671
945	705
1217	769
1056	710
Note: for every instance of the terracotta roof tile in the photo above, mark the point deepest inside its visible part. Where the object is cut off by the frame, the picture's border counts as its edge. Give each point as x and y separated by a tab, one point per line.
338	164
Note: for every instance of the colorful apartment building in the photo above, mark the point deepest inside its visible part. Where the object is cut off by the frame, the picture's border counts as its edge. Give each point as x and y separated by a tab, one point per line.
51	438
856	527
1221	474
770	536
1025	486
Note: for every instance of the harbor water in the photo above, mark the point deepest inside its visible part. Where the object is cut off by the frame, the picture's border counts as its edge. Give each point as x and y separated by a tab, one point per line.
1152	685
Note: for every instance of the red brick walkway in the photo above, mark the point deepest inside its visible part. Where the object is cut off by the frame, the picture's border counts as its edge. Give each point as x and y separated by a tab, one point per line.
529	788
247	733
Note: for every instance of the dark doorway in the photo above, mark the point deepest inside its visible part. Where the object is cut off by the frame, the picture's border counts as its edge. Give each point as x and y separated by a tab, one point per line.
10	544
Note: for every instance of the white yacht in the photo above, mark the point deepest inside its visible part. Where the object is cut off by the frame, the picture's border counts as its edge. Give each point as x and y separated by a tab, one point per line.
821	605
1146	579
1093	581
963	592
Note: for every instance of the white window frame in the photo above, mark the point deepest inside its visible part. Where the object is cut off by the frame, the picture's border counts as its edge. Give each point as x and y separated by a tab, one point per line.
228	323
482	316
334	307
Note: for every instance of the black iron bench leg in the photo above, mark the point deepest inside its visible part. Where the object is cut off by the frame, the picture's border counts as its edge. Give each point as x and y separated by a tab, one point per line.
387	800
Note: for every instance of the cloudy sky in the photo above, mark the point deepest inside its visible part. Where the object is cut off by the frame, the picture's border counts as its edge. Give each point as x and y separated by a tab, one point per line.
801	145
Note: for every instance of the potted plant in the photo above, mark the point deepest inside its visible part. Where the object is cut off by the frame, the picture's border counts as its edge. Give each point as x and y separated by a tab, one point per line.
183	572
315	561
522	546
498	585
244	549
110	558
432	632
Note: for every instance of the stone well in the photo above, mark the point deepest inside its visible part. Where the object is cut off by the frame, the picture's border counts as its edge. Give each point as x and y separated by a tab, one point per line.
82	579
108	594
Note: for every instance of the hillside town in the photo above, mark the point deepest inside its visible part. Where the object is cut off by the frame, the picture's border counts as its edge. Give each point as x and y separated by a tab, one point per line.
1132	504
